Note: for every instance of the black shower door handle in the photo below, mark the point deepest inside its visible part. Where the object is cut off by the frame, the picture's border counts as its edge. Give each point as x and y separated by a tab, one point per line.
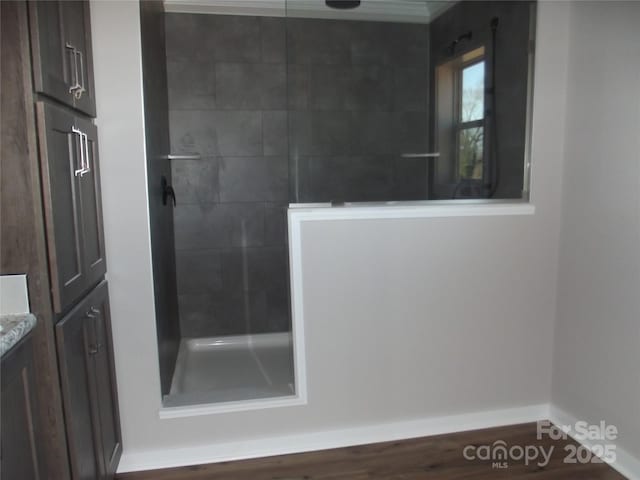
167	191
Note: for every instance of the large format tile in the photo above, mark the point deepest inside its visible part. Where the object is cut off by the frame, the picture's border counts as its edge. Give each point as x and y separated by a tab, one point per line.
410	88
264	268
319	133
410	132
370	88
243	86
278	314
275	138
254	179
195	181
329	87
410	178
275	224
216	133
190	36
274	39
369	43
408	43
236	38
218	225
345	178
210	315
372	133
199	271
216	314
311	41
298	86
197	314
191	83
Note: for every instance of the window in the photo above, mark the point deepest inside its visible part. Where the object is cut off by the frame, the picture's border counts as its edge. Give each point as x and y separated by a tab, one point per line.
460	127
470	116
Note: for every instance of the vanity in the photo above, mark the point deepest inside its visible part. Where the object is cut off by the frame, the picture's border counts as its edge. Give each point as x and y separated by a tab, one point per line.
21	449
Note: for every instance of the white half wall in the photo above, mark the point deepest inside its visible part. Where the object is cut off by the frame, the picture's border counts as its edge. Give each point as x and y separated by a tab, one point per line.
406	320
597	341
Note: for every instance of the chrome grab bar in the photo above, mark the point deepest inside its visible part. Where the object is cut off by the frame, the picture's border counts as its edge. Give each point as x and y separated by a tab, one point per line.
421	155
193	156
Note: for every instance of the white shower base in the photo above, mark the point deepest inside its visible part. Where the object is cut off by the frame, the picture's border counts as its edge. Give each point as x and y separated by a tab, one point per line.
233	368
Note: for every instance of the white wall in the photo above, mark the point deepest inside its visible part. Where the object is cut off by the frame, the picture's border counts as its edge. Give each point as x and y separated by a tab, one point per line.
405	319
597	341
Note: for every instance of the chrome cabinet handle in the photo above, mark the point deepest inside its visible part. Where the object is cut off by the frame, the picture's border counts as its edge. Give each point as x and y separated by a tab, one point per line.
94	315
80	171
87	165
75	84
80	76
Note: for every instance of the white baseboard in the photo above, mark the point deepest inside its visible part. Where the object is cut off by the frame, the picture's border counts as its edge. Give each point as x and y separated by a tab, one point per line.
312	441
625	463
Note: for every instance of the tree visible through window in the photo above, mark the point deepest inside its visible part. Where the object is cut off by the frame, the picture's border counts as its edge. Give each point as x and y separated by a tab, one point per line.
471	119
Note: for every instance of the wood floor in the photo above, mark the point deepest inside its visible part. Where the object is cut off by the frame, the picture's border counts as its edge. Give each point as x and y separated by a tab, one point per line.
438	457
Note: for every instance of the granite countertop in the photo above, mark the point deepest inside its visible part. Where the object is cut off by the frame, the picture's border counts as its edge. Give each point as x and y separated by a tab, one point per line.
14	328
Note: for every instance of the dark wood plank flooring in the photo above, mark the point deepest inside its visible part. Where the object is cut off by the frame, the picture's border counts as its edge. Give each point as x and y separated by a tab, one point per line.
437	457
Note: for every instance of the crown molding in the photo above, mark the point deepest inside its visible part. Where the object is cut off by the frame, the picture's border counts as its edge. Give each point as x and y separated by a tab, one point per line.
407	11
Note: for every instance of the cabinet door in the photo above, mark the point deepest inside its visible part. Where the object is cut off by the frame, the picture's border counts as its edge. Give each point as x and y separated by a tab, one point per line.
53	61
60	160
77	29
89	393
106	391
91	207
19	445
71	186
61	51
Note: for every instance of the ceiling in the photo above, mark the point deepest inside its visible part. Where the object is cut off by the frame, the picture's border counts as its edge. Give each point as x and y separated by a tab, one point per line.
411	11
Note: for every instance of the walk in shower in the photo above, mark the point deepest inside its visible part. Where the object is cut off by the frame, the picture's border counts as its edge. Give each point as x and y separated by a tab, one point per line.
252	109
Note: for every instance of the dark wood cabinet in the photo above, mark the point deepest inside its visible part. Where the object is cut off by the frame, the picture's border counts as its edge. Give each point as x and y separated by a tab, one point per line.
71	188
52	231
61	52
20	437
89	395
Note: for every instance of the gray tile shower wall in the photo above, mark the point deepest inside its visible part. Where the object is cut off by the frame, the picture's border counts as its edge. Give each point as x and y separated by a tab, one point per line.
294	110
228	102
358	100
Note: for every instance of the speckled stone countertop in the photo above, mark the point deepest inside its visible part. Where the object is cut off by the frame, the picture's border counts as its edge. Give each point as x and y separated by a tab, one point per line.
13	329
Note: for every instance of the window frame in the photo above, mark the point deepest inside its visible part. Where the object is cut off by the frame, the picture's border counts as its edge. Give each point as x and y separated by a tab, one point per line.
461	125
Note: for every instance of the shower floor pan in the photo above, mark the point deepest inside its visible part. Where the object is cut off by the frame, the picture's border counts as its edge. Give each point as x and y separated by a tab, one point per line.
231	369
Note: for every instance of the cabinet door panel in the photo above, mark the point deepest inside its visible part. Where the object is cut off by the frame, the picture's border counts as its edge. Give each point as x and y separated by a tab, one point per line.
52	61
59	150
95	259
76	21
61	51
20	450
110	437
73	336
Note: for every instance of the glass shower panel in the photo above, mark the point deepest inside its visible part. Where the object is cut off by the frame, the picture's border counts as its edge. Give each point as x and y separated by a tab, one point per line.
227	91
358	105
418	101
